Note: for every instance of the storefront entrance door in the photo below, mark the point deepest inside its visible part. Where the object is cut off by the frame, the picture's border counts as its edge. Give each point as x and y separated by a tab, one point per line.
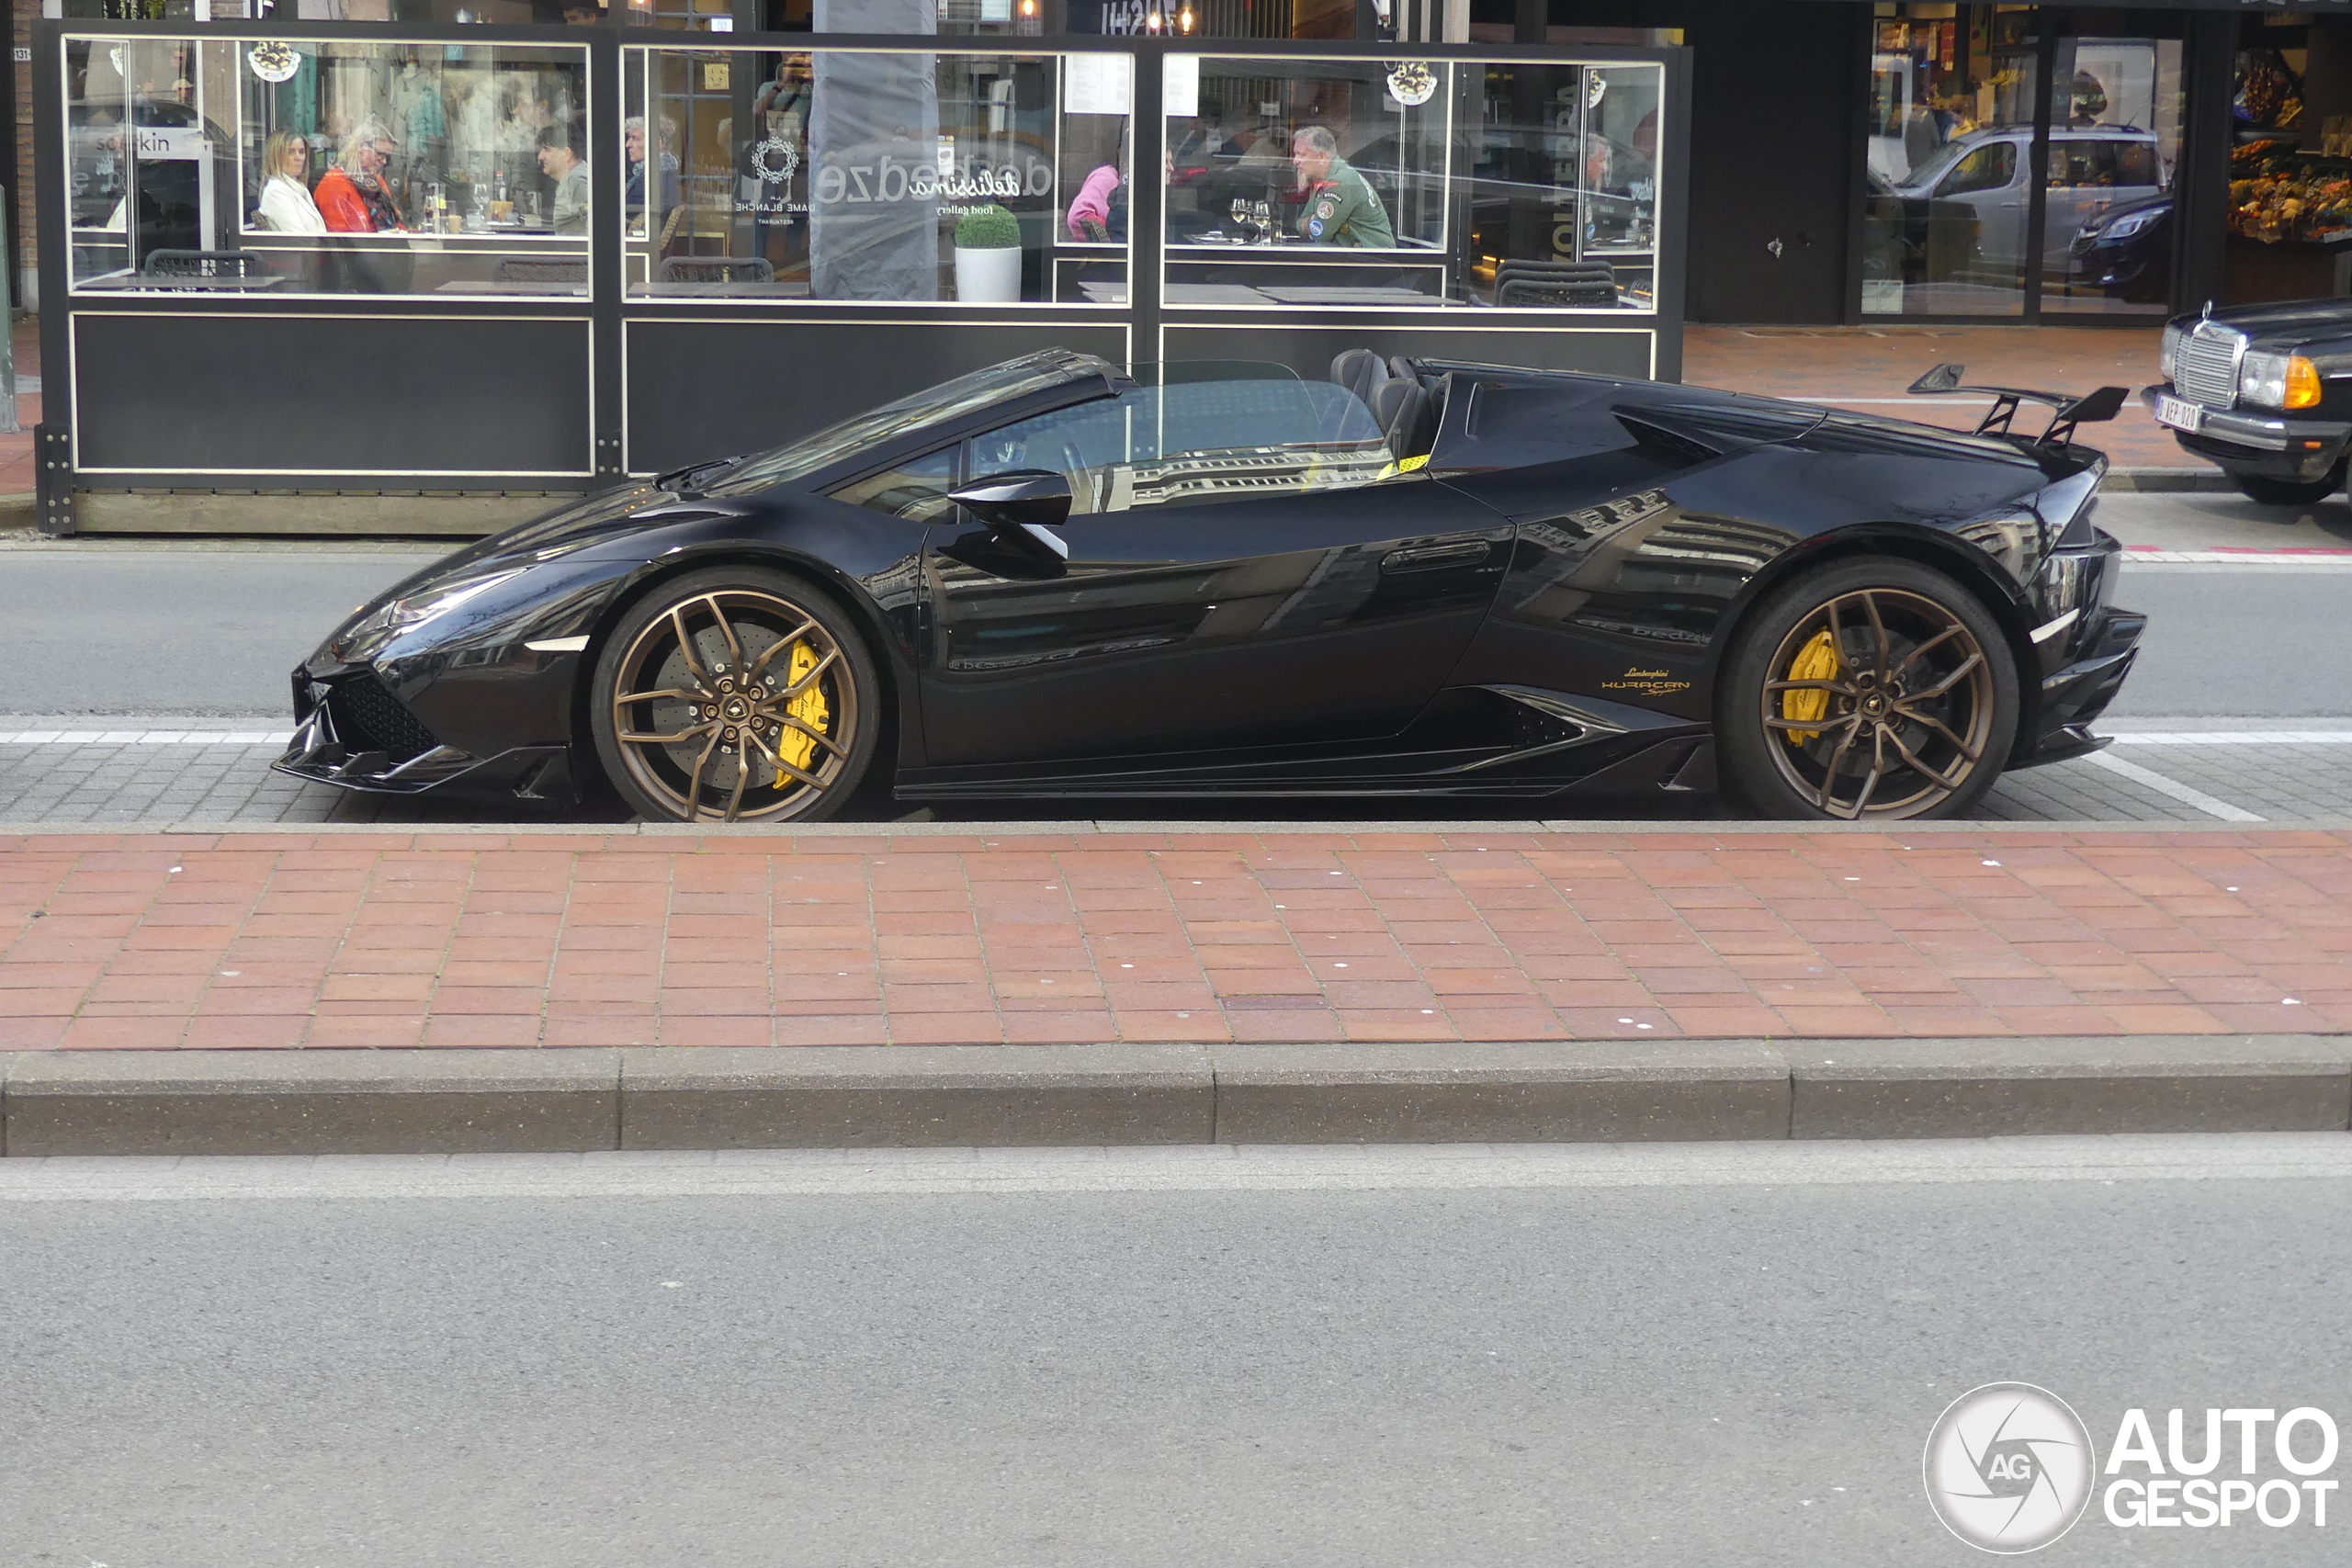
1991	197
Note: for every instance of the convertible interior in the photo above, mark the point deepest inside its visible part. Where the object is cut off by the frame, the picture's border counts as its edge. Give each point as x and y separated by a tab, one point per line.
1406	402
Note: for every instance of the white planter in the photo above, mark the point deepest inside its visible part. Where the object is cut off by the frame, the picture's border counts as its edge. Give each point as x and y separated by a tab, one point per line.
991	277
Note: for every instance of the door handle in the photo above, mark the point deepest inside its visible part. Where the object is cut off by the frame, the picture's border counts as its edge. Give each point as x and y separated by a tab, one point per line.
1436	557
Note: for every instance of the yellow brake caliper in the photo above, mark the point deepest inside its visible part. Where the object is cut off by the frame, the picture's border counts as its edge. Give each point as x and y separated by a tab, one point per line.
808	707
1818	660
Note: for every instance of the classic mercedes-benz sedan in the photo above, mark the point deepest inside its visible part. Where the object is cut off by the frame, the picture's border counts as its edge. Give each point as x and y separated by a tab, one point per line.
1055	578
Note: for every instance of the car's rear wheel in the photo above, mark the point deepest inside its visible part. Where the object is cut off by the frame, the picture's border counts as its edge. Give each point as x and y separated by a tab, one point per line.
2290	492
1876	690
736	695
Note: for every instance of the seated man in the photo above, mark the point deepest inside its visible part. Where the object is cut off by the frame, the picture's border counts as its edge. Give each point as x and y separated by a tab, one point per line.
560	160
1342	208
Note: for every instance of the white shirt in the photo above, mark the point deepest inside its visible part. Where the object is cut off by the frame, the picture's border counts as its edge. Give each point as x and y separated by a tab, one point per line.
287	208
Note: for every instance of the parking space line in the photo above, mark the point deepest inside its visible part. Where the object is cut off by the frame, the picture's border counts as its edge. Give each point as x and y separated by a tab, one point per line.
2236	737
144	738
2172	789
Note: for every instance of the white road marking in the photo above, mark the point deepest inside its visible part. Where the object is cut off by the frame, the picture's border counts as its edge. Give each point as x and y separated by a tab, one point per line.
2236	737
2172	789
1189	1167
145	737
2271	560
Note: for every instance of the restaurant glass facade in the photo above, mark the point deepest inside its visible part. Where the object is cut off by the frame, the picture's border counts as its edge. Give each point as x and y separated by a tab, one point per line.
472	258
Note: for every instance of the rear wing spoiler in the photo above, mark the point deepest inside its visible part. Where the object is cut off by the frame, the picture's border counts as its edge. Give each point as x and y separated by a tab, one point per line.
2066	412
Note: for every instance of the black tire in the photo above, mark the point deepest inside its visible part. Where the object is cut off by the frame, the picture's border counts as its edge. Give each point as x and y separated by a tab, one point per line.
1916	719
2289	492
730	664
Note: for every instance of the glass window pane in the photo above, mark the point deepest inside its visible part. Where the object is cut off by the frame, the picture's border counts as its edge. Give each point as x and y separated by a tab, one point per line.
1951	110
1436	183
2116	122
327	168
832	174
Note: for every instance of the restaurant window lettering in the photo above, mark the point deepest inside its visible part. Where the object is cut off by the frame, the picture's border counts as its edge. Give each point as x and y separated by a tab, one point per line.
387	169
857	175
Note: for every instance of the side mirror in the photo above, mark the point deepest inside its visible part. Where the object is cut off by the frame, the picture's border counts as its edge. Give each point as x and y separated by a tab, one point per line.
1022	504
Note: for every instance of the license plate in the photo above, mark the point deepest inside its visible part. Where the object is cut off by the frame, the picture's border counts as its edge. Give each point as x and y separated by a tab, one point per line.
2180	414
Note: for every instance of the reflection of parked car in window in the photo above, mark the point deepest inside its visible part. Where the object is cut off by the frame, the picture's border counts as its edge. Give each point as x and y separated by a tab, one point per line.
1992	171
2127	252
170	204
1916	239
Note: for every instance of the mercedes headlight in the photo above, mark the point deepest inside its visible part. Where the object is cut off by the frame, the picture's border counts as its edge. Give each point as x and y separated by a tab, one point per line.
388	620
2272	381
2168	353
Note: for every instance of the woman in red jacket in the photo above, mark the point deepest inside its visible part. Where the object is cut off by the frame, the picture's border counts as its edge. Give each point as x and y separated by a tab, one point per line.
353	199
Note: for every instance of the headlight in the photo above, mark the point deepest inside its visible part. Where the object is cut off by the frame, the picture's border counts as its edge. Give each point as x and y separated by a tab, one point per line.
2278	380
2131	223
364	635
2168	353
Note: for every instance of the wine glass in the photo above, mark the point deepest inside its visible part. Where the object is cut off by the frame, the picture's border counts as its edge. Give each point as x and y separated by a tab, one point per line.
1262	214
1242	218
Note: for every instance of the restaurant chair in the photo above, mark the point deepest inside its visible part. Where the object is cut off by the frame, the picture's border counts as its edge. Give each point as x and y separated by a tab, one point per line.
164	267
1586	284
540	270
716	269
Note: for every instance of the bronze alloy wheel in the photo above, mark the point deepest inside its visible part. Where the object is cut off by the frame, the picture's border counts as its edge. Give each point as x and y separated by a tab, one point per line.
734	704
1882	702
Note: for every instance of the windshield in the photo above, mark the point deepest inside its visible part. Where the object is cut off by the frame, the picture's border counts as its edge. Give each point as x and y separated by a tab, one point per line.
933	405
1936	166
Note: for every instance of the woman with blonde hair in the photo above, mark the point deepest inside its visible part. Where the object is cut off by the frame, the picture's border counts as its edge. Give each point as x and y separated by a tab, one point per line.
354	198
286	204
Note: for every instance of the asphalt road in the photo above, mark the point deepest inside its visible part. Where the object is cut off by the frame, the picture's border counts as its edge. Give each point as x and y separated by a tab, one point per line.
197	631
2233	640
184	631
105	645
1692	1355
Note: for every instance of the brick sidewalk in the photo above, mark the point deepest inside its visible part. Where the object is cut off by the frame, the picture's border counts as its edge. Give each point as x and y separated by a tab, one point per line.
1842	364
468	939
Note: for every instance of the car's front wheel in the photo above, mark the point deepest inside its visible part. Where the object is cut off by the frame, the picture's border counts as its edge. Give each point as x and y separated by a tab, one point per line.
1874	690
2289	492
736	695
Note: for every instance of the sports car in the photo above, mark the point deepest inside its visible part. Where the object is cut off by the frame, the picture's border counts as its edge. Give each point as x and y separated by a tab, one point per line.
1058	577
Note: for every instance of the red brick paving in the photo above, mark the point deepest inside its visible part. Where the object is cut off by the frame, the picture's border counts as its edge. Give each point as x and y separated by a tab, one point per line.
17	447
404	939
1830	363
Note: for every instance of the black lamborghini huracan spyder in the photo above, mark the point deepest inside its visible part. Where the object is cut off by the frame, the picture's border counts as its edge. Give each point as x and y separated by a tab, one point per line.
1055	577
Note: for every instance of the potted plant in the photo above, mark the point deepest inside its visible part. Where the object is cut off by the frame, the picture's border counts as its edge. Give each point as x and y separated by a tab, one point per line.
988	255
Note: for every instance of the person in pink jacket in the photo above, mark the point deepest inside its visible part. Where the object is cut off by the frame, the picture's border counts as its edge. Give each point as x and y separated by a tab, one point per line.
1089	210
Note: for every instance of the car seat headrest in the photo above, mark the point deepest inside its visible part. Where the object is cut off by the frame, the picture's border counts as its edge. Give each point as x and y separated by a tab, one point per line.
1360	371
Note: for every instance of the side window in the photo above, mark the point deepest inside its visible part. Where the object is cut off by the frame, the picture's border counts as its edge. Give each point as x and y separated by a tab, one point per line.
1989	167
2135	164
1194	443
2082	162
916	489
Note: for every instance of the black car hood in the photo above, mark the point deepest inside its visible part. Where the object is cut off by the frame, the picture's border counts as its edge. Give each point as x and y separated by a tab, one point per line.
2289	319
607	514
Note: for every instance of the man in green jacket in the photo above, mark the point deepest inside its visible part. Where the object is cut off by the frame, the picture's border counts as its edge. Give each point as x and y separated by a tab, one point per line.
1342	208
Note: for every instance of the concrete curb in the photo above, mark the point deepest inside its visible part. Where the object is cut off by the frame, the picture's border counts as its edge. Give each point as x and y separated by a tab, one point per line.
2204	479
451	1101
